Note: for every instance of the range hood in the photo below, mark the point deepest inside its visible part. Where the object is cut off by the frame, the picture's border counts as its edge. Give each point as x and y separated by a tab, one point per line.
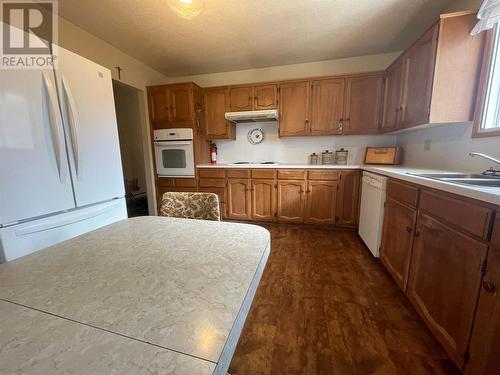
252	116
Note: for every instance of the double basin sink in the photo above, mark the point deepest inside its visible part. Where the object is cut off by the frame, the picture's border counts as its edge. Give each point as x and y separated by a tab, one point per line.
483	180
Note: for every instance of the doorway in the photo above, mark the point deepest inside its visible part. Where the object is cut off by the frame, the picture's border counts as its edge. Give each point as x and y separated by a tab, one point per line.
131	147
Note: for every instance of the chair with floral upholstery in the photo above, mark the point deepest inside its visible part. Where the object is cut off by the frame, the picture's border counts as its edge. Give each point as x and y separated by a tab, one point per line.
202	206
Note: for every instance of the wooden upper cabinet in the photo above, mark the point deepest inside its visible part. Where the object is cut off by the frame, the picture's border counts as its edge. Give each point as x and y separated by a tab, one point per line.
394	77
419	63
397	240
254	98
363	104
216	104
291	201
265	97
327	106
238	199
158	106
241	98
294	109
445	276
485	341
263	200
348	199
320	202
181	104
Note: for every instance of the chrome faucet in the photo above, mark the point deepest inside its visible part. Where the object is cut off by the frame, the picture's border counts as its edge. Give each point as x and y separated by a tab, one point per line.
491	171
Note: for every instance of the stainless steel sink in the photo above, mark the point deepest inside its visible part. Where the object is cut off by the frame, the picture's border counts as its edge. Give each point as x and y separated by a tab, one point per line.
484	180
495	182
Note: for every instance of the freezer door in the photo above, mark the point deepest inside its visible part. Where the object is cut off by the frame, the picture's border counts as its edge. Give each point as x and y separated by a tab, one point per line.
34	173
25	238
86	96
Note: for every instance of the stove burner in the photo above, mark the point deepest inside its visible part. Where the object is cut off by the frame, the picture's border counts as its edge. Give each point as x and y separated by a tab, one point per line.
242	162
268	162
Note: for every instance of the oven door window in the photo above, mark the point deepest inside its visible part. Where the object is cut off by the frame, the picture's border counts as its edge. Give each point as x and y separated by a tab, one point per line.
175	158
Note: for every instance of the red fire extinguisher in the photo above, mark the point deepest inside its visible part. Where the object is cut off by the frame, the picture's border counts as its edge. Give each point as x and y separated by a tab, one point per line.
213	154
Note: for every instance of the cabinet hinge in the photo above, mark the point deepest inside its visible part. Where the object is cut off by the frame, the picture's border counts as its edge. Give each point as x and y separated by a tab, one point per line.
484	266
466	357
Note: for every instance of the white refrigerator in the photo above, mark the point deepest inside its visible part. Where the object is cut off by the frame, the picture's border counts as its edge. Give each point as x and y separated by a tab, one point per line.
60	165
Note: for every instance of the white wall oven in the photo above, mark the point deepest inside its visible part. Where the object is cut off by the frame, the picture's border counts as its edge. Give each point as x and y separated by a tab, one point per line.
174	152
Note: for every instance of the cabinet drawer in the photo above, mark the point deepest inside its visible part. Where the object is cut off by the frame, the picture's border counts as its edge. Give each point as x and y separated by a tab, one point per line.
461	213
211	182
495	237
292	174
238	173
402	192
185	182
269	174
211	173
323	175
169	182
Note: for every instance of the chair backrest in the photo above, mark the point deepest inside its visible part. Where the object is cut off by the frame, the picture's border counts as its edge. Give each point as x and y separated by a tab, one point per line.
203	206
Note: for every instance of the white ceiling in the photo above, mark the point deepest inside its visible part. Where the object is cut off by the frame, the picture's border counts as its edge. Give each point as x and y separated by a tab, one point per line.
243	34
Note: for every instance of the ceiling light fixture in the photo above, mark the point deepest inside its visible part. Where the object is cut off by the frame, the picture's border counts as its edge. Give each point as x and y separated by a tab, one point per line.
187	9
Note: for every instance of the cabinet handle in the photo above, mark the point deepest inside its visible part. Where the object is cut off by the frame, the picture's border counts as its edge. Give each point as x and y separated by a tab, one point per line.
417	233
408	229
308	191
301	191
489	287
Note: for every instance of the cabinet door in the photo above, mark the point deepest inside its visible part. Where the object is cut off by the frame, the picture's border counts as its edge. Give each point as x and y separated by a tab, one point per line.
294	109
392	97
241	98
216	104
397	240
445	276
158	106
238	199
485	342
348	199
263	200
363	104
265	97
419	77
327	106
180	102
320	202
291	201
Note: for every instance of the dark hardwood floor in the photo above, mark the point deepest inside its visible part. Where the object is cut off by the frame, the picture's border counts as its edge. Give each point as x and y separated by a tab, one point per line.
326	306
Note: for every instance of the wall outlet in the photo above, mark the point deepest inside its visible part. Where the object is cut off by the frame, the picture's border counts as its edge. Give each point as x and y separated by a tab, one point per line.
427	145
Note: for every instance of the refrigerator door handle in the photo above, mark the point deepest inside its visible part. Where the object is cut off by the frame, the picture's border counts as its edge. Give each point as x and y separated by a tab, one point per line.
73	123
55	122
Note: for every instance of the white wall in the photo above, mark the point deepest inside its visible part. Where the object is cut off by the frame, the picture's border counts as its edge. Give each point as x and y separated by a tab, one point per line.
283	72
449	148
293	149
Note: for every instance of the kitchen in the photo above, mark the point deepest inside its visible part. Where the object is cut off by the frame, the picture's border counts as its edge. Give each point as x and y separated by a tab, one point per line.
356	187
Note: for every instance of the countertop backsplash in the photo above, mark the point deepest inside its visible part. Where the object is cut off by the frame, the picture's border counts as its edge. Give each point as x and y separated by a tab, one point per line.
293	149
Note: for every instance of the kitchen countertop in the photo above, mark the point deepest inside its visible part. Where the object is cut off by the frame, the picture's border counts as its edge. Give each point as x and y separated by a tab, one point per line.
481	193
176	290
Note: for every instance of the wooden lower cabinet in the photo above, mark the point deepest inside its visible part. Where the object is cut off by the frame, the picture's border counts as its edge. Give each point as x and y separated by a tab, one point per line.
444	282
320	202
263	200
238	199
347	208
397	240
485	343
291	201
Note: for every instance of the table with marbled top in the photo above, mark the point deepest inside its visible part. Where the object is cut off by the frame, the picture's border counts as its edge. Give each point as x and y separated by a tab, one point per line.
145	295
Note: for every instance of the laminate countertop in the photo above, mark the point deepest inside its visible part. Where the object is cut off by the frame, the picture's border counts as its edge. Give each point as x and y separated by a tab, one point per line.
143	295
481	193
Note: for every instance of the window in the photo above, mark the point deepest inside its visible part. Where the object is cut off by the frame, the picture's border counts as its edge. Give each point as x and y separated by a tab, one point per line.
489	121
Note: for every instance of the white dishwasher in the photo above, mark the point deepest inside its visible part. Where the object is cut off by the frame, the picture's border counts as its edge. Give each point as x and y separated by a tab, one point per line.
371	216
